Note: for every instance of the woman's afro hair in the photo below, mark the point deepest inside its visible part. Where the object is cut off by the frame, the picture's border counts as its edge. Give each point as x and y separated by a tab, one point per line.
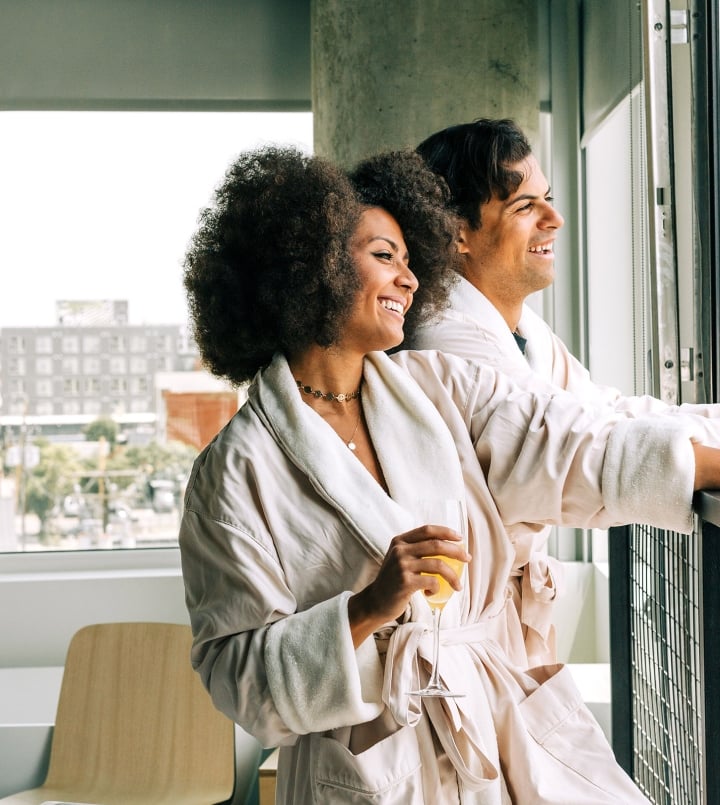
269	268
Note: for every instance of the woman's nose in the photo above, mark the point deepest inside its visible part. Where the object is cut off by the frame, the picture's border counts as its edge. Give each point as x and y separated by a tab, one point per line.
407	279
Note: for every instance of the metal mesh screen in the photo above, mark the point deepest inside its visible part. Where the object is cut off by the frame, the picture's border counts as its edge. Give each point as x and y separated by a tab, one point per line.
667	713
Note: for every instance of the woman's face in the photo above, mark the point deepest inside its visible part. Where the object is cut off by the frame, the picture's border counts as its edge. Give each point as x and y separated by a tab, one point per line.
387	284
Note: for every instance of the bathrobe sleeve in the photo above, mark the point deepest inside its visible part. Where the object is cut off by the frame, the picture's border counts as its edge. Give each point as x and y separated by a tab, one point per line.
473	329
548	457
276	666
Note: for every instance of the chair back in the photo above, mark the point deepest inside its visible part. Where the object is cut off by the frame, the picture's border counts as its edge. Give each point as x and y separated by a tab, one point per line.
134	723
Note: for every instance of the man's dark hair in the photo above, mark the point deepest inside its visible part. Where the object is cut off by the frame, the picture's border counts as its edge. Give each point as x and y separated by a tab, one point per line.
475	159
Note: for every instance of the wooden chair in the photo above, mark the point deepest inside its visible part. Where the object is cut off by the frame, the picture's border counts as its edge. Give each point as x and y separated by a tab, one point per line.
134	724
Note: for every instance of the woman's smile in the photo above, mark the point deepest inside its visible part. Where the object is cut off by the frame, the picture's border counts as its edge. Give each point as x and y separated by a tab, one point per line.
382	262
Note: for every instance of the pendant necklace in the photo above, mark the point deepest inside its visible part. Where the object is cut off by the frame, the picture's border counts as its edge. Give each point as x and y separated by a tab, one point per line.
351	444
341	398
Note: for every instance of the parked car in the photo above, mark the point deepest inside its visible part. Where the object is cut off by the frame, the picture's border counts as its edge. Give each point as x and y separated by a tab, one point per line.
163	495
72	505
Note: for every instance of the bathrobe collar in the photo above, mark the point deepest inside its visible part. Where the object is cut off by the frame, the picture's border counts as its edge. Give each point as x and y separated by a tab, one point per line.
414	447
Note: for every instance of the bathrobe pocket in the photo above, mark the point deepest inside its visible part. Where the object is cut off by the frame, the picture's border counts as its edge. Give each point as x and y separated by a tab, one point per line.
560	723
387	773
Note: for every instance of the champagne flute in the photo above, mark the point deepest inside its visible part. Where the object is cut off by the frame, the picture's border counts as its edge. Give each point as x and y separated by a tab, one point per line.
449	512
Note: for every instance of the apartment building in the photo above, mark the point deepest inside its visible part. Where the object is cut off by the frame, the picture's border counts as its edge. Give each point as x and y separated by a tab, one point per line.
91	363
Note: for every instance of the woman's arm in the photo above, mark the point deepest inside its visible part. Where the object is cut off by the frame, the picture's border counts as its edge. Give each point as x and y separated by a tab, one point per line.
276	671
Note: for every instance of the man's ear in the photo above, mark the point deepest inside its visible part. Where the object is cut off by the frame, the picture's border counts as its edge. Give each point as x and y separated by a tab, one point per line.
462	237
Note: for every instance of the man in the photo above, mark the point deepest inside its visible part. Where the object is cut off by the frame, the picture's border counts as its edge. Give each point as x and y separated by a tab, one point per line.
506	239
507	236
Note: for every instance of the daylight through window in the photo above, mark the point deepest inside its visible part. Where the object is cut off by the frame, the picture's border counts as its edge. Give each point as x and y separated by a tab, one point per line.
103	402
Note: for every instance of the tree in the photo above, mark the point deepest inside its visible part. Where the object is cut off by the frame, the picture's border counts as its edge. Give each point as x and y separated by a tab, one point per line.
102	428
163	460
171	461
50	480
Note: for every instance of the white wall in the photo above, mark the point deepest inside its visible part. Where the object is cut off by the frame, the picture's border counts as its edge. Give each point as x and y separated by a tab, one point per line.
46	598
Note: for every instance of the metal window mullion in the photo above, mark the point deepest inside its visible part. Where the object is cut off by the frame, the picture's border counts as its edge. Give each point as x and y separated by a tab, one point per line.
665	358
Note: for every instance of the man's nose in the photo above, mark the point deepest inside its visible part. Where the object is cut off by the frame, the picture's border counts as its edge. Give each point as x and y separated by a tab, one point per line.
551	219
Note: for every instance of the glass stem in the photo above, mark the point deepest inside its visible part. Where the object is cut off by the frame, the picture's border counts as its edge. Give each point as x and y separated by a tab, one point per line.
434	676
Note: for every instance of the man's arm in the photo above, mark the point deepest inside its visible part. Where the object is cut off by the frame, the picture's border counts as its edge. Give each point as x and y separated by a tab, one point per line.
707	467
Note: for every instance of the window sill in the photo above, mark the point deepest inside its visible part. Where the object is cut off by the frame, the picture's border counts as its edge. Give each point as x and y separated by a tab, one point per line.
137	562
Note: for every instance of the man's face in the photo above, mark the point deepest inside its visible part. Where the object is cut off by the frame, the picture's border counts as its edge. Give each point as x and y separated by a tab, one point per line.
511	255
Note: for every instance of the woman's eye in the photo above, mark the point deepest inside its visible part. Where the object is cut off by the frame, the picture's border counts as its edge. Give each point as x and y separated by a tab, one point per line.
383	255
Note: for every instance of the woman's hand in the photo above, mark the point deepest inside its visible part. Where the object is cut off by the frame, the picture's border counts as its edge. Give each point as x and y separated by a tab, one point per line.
404	571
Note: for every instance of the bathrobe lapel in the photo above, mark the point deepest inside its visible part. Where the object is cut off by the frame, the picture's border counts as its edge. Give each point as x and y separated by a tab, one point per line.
414	447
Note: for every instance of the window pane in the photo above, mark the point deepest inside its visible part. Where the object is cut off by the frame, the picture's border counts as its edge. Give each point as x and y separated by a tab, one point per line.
94	339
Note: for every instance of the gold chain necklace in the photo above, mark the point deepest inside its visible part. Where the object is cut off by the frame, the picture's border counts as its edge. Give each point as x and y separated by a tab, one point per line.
328	395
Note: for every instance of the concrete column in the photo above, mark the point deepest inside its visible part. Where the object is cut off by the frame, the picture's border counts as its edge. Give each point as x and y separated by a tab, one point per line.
387	74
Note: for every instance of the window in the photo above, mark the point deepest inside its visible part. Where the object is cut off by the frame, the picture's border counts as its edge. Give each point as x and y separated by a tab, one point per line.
138	343
163	343
117	343
118	365
91	344
139	385
71	386
91	366
44	388
17	405
118	199
70	366
43	366
44	345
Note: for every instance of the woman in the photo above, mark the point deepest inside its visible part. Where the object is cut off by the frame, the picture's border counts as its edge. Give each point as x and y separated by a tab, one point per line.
305	568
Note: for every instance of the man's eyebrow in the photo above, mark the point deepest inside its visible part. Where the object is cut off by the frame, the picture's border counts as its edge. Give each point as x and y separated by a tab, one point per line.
527	197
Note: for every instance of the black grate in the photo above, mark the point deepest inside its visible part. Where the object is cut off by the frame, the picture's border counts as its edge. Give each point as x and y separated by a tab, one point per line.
666	666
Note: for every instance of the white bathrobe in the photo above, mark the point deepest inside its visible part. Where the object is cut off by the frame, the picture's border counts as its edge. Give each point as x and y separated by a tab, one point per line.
282	523
473	328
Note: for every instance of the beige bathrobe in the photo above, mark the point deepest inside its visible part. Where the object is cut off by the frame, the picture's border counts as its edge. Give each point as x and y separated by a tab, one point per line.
473	328
282	523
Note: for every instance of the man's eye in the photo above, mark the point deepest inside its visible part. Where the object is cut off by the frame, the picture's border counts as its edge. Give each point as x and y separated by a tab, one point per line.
525	207
549	199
